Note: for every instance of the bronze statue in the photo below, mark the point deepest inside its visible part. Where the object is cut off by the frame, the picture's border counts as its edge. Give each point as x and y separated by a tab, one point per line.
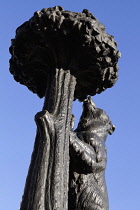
64	56
87	187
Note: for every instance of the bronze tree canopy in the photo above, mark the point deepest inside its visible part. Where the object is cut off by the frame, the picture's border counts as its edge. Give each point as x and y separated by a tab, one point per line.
55	38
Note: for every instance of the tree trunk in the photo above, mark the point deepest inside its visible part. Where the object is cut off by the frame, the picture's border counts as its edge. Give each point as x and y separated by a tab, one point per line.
47	181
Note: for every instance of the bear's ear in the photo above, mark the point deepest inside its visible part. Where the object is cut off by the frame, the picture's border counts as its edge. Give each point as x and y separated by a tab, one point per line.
112	129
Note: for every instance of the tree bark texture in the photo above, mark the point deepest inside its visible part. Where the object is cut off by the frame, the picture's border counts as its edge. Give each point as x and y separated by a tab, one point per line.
47	181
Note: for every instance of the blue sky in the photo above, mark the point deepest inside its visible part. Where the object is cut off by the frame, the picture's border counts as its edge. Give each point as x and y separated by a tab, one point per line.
122	102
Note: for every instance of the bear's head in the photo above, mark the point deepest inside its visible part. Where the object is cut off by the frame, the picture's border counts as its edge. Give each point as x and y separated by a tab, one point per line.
94	120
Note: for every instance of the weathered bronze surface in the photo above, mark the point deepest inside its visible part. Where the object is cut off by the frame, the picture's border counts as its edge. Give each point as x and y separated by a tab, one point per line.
87	187
64	56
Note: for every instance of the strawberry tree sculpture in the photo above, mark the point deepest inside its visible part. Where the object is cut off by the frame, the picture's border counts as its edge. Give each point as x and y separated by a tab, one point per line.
62	56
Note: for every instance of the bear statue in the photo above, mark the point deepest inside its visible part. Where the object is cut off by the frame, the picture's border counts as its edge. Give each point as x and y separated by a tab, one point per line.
88	156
